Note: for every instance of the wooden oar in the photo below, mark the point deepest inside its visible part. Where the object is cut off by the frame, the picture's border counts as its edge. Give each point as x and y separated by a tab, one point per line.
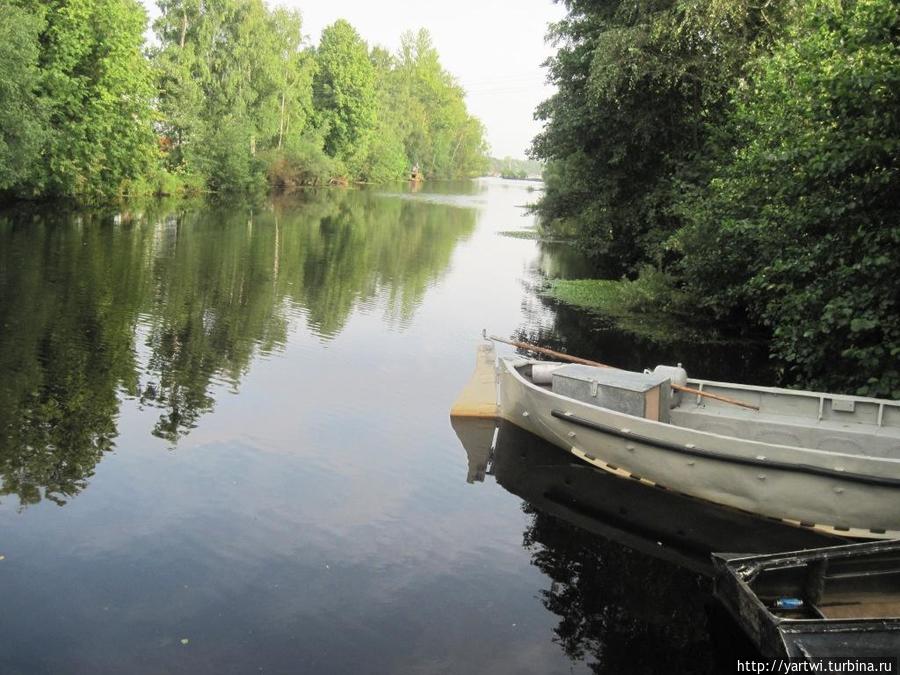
588	362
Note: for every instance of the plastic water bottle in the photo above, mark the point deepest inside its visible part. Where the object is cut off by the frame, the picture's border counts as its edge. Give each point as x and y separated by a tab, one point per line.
788	603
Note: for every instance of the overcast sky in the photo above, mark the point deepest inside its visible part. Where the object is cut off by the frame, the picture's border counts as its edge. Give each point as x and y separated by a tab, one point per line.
494	47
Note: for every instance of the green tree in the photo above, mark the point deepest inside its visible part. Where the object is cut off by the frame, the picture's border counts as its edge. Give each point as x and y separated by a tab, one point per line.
223	153
181	74
295	71
97	89
640	86
429	110
798	228
22	118
230	96
234	83
344	91
386	158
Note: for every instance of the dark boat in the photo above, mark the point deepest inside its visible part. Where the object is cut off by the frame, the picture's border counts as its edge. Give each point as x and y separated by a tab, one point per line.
841	601
653	521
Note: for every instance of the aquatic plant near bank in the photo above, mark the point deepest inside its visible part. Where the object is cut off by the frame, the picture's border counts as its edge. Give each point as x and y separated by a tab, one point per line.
647	306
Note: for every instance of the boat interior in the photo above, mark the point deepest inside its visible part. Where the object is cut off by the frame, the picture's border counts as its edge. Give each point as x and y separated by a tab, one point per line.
830	422
860	586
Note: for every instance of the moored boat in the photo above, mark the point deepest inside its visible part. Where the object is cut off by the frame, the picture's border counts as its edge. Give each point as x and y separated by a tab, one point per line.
813	460
831	602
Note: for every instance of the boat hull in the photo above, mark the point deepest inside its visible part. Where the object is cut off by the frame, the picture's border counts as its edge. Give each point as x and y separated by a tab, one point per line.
851	496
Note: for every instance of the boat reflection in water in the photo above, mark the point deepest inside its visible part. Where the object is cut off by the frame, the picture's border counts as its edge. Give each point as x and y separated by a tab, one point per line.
661	523
630	565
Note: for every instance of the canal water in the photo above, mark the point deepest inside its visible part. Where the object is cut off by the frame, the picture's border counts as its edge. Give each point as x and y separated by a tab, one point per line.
225	448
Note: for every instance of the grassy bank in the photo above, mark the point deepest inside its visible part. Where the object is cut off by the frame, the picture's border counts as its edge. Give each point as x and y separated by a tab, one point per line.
648	306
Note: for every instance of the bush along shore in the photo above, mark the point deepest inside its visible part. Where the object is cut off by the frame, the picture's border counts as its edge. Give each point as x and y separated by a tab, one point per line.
737	162
229	97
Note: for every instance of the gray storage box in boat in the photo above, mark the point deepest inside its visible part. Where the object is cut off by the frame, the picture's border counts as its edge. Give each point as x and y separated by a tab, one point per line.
638	394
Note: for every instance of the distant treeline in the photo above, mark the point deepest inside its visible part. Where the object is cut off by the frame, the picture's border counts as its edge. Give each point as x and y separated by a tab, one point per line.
228	97
516	168
739	160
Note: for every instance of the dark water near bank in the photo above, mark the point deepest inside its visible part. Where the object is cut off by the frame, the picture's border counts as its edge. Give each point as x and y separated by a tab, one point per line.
225	448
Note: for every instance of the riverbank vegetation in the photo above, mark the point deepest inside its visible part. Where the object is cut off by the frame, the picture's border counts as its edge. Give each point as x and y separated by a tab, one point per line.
744	156
228	96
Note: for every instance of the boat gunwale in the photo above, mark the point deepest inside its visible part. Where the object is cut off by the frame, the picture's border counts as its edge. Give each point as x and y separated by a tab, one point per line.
780	391
511	367
732	567
791	558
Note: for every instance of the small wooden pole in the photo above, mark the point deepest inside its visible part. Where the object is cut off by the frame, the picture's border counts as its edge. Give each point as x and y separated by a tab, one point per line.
588	362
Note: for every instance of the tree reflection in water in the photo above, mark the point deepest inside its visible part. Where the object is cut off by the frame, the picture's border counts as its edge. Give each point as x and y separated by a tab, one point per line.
166	302
628	566
624	611
68	298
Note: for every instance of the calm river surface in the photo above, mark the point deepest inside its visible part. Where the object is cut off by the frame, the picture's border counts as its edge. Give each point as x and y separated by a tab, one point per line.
225	448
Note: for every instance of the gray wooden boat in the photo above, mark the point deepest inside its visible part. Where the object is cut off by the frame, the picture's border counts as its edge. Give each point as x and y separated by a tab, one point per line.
813	460
832	602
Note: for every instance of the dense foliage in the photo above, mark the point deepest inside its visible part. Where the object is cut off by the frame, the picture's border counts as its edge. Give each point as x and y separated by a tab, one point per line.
344	92
799	224
76	97
22	121
638	82
230	95
763	175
